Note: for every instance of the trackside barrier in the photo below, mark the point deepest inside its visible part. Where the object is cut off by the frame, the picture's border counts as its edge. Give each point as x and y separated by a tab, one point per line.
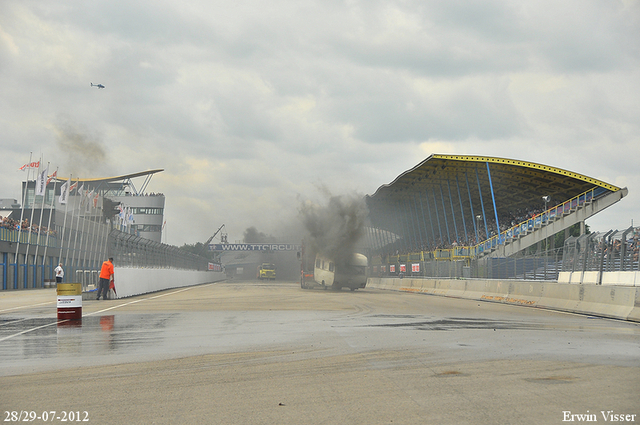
130	281
619	302
608	278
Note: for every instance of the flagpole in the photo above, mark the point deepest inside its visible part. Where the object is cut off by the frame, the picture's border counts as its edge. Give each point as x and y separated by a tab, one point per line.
33	204
82	238
44	197
66	257
105	239
96	251
96	233
51	212
75	239
106	228
64	192
29	228
24	197
94	238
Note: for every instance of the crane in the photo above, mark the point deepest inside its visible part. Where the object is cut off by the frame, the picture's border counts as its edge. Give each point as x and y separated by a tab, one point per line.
206	244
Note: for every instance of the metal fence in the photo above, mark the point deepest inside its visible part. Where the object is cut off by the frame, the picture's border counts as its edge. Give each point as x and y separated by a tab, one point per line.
604	252
542	265
133	251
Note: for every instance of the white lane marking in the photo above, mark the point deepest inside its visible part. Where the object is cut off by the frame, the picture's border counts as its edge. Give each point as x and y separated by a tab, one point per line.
33	329
26	306
103	310
11	322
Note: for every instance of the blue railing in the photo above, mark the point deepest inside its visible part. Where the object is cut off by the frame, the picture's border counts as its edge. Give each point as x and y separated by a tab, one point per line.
539	220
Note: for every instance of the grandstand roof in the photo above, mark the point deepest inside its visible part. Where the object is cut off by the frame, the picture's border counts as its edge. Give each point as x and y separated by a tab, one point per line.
516	184
461	187
115	178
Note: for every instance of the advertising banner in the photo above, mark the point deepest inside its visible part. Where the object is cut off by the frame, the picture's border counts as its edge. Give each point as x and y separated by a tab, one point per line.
255	247
213	267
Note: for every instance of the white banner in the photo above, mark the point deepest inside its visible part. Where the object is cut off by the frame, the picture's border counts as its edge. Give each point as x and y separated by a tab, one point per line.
69	301
64	192
41	182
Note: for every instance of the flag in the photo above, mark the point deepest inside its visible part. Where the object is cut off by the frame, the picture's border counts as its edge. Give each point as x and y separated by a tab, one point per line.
130	217
125	217
73	186
64	192
95	201
80	191
52	176
121	214
41	184
34	164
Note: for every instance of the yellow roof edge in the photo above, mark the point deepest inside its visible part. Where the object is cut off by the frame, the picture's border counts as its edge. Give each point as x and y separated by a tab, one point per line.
497	160
114	178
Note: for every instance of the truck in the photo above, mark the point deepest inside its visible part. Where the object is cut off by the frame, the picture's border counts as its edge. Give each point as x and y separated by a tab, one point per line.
267	271
321	271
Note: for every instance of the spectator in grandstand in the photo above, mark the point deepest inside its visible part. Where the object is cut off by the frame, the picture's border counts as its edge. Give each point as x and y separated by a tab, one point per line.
635	249
8	223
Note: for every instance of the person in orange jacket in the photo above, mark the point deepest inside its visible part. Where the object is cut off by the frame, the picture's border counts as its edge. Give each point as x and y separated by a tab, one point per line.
106	275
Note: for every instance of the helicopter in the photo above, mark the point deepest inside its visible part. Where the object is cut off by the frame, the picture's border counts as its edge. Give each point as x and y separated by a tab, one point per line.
100	86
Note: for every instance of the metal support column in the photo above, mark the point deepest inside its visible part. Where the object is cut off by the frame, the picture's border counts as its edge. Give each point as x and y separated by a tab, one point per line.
473	217
444	213
435	204
495	210
453	212
484	214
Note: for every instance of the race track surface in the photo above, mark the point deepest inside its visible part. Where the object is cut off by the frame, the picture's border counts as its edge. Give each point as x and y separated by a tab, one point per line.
272	353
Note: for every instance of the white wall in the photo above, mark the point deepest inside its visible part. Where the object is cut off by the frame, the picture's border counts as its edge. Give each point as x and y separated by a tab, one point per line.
620	302
136	281
608	278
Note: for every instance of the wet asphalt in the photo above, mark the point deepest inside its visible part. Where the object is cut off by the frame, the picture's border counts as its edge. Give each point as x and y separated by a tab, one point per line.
369	356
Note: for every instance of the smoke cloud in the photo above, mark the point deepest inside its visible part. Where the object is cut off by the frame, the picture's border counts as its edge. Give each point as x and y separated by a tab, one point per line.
82	152
334	228
252	235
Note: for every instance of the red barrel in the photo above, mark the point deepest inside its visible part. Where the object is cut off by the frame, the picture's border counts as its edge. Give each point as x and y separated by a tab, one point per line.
69	301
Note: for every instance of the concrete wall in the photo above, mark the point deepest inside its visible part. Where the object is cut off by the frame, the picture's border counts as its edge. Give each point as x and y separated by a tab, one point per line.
619	302
608	278
137	281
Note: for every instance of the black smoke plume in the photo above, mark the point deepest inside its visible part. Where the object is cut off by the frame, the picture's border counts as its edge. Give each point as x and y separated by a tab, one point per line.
83	152
252	235
334	228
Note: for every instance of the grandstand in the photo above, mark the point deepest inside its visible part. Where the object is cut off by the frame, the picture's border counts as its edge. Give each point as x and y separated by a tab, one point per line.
459	207
101	217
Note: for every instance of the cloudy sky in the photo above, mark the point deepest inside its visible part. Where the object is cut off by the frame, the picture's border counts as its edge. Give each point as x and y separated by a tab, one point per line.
252	106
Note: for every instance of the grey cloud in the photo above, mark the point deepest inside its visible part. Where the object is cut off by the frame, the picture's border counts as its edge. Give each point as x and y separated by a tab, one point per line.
278	97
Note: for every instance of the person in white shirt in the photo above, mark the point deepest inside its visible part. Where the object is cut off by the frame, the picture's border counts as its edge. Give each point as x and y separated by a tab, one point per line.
59	273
